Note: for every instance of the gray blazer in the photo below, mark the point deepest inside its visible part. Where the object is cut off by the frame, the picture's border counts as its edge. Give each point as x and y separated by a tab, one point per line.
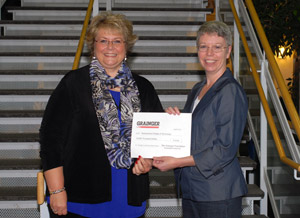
218	123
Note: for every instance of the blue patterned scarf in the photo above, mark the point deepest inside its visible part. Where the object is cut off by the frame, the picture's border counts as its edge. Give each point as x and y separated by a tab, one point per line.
117	145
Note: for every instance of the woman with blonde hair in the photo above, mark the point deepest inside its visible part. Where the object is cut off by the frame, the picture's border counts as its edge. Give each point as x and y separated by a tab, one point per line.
86	130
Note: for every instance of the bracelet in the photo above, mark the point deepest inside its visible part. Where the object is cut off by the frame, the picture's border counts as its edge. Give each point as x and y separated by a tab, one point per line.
57	191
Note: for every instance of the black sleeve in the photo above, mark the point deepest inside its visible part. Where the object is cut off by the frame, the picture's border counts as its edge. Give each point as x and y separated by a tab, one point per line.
54	127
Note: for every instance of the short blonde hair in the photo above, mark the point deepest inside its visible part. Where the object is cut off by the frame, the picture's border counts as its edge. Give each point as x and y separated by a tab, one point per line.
116	22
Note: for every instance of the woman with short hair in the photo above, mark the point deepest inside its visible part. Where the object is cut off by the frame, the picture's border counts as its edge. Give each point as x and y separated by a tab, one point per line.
211	179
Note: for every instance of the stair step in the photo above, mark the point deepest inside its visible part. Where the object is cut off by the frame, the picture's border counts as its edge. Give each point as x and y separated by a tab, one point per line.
254	216
159	179
157	192
19	178
17	47
254	192
15	146
72	28
26	92
75	30
29	83
75	13
115	9
286	189
20	125
49	91
282	175
29	193
17	193
19	209
139	72
19	137
20	164
65	63
247	162
33	72
132	3
17	205
21	113
69	38
79	23
27	153
72	54
39	102
289	215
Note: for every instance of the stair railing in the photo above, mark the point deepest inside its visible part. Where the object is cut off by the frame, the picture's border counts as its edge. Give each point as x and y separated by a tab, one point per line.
274	66
277	75
82	36
270	84
279	78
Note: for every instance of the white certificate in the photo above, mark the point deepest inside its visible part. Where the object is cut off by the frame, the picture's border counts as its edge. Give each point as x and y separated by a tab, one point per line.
161	134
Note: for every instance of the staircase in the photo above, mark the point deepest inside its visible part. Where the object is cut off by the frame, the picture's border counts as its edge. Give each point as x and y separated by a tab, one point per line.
37	48
284	186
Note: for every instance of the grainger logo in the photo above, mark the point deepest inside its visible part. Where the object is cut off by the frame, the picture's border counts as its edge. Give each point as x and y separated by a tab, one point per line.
147	124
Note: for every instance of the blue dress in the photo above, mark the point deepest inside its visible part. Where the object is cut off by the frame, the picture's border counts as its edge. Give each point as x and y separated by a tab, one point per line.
118	207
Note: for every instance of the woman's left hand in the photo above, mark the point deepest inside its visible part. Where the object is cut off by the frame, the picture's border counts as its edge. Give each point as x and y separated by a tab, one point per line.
169	163
165	163
142	165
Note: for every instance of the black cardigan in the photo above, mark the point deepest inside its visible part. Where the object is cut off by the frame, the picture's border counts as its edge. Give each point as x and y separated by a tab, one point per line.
70	137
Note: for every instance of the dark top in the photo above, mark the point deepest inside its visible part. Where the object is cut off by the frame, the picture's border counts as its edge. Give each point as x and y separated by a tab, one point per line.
70	137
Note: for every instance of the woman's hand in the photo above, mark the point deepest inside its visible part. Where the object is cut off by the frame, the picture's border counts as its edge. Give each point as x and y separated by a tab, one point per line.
173	110
142	165
55	181
166	163
58	203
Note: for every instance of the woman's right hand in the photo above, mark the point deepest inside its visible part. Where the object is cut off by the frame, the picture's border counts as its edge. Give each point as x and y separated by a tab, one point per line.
142	165
173	110
58	203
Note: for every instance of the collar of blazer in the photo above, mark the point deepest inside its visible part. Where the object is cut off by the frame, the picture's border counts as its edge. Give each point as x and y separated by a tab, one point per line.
226	78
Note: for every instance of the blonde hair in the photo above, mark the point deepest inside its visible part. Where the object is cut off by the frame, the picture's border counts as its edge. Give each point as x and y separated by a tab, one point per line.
116	22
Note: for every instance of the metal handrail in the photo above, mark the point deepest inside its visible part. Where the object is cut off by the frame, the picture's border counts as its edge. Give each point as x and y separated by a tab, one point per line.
82	36
40	189
275	68
262	96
